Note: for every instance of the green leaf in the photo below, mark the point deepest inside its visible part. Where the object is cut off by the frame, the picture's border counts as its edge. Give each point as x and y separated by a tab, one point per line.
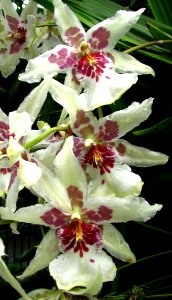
163	127
160	35
161	10
46	3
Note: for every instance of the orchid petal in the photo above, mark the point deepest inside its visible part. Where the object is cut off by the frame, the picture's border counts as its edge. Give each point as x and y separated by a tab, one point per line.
105	91
29	9
33	103
7	276
51	189
13	190
66	160
8	63
70	271
115	244
31	214
19	123
65	96
14	150
121	181
3	117
130	117
113	28
9	9
4	182
57	60
140	156
113	209
68	24
84	124
29	173
127	63
46	251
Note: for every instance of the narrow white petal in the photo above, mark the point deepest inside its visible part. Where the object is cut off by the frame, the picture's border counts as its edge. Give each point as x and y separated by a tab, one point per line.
46	251
33	72
52	189
115	244
65	96
140	156
127	63
7	276
66	19
117	25
68	168
130	208
130	117
30	214
33	103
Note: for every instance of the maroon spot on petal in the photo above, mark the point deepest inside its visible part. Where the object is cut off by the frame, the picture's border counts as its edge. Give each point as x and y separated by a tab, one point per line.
75	195
74	36
92	260
4	131
78	146
100	156
4	171
105	212
63	58
81	118
121	149
103	181
14	171
87	131
55	217
12	22
79	235
91	65
109	131
92	215
99	38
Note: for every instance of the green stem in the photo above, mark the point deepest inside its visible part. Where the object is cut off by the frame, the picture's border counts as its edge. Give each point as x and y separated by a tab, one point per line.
154	228
4	222
147	44
145	258
158	296
46	24
100	112
42	136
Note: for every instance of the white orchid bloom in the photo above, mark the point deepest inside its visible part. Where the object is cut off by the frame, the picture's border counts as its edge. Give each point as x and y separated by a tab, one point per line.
80	226
16	36
18	168
88	59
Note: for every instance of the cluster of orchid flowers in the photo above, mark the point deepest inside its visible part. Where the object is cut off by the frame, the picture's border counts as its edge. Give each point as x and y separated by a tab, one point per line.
82	176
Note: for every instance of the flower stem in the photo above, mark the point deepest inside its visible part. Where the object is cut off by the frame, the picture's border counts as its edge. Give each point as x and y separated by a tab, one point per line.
147	44
154	228
100	112
42	136
158	296
46	24
145	258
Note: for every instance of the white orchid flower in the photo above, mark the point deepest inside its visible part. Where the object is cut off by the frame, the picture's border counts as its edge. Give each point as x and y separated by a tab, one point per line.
18	168
88	58
80	226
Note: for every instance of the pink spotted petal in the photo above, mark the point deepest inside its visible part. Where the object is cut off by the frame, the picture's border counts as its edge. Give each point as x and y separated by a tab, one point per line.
55	217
